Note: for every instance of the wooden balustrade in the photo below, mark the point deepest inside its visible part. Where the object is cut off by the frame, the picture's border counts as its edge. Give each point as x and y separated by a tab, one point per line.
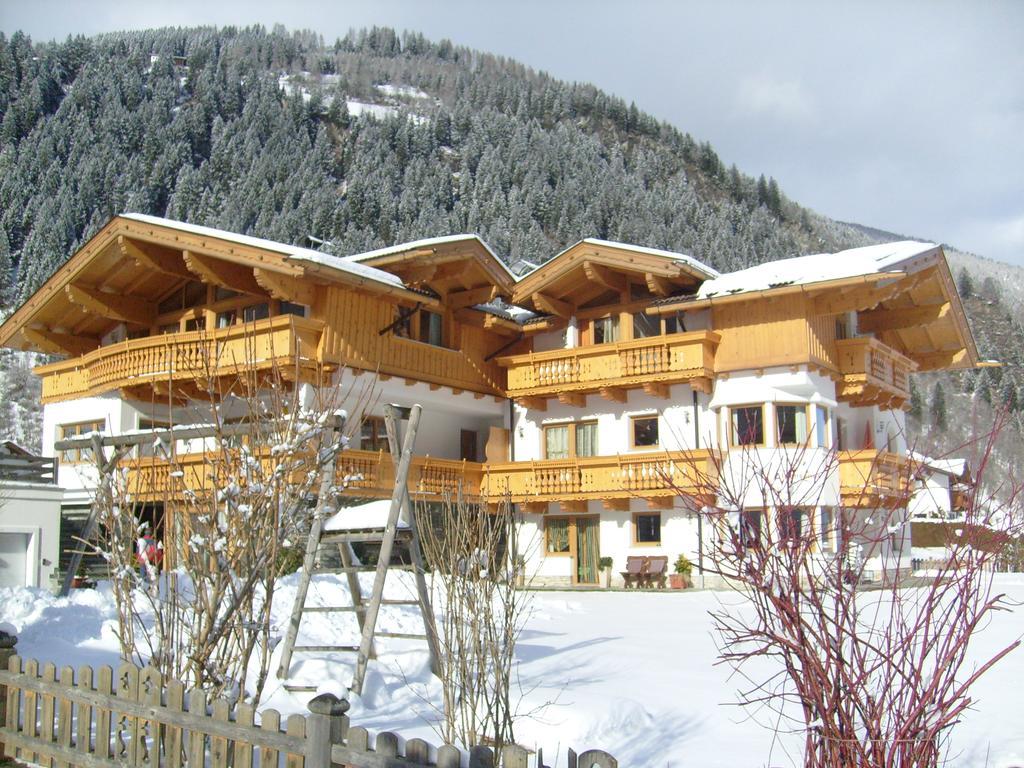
871	478
363	473
671	359
665	473
285	341
873	373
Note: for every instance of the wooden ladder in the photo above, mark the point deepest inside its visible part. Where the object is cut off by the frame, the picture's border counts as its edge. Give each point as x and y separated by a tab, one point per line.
366	612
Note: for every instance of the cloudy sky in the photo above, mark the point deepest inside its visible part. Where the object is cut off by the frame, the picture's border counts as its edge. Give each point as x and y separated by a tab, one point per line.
904	116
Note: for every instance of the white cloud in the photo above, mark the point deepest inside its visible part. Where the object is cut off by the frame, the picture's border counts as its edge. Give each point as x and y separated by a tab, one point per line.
785	100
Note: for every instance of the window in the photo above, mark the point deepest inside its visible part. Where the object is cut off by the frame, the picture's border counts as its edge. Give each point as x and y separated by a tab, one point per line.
790	524
431	330
67	431
675	323
747	425
586	438
256	312
647	528
189	295
791	424
750	528
195	324
423	325
227	318
373	435
556	441
645	325
220	293
825	529
645	431
556	534
564	441
821	425
842	328
606	329
291	308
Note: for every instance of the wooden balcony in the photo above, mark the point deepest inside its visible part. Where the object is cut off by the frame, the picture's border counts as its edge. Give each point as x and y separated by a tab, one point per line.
287	342
656	361
873	373
613	479
870	478
366	474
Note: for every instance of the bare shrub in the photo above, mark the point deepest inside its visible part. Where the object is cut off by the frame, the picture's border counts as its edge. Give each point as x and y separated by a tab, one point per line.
868	665
479	616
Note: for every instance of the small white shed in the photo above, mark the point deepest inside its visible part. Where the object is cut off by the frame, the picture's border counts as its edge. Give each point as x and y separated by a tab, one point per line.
29	518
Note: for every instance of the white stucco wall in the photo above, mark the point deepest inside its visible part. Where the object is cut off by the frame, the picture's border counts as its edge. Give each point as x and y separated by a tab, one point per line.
34	509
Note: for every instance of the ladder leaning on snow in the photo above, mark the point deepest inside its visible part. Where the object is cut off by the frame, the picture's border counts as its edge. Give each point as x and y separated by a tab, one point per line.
366	612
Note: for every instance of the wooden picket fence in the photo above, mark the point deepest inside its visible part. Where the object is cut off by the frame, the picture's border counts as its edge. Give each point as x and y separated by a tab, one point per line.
132	718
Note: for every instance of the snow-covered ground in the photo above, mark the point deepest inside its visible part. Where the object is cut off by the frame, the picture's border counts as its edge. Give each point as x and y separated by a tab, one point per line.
632	673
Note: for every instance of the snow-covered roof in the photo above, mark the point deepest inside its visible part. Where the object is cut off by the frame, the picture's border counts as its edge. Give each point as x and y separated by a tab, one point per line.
951	467
371	515
292	252
815	268
700	266
429	242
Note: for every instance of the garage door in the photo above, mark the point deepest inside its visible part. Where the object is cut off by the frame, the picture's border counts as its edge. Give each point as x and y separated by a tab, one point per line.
13	558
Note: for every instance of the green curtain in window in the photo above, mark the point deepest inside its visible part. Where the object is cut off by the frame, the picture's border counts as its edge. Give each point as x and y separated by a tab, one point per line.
558	534
587	550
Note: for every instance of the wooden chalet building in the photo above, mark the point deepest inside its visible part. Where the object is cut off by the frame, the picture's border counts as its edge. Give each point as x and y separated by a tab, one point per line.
605	392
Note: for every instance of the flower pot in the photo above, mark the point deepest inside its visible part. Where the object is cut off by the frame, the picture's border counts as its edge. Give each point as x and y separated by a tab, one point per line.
678	581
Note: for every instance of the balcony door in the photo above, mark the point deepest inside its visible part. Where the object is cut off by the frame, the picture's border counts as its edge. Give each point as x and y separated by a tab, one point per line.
587	550
577	538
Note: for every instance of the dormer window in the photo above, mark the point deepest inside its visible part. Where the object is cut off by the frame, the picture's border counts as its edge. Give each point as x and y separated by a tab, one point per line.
606	329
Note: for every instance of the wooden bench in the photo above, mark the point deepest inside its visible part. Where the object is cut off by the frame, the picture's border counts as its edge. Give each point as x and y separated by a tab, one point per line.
636	568
656	572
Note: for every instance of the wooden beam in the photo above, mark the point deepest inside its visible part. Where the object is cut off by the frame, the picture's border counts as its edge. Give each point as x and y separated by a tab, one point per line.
473	296
533	403
617	505
59	343
867	296
657	389
659	502
881	319
418	274
285	287
615	394
146	257
113	306
553	306
535	507
703	384
575	399
226	274
658	285
600	274
932	361
572	507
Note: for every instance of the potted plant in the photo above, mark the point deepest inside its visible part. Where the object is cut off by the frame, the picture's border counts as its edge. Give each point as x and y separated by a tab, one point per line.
681	578
605	563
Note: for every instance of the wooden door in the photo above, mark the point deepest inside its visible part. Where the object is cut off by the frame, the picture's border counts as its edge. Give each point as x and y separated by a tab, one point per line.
467	445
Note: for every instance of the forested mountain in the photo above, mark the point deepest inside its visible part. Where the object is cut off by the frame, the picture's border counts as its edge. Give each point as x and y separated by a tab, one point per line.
370	140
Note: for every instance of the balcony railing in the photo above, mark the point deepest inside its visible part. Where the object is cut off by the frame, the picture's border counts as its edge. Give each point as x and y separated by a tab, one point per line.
365	473
671	359
870	478
286	342
665	473
873	373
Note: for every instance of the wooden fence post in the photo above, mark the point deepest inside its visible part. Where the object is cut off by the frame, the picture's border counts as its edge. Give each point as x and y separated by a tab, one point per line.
7	643
326	725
